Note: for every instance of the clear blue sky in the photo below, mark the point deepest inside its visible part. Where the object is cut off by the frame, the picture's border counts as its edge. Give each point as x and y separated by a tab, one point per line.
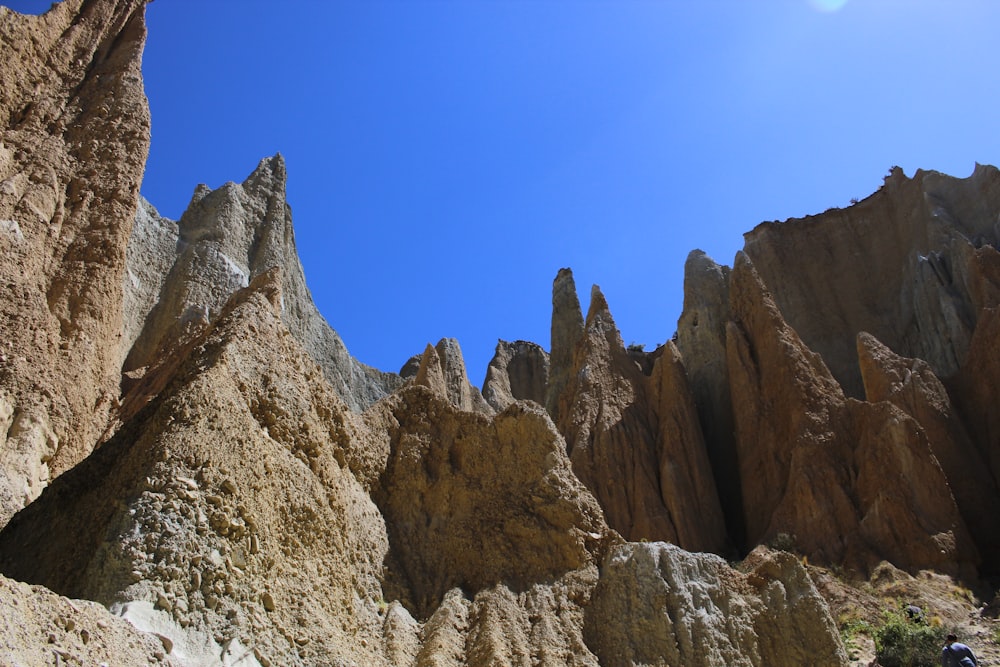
446	158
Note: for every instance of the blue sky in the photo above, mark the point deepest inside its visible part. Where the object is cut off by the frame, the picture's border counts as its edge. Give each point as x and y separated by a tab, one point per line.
446	158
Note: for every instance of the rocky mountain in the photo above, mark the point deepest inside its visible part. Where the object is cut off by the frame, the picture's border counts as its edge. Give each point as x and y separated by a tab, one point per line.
194	470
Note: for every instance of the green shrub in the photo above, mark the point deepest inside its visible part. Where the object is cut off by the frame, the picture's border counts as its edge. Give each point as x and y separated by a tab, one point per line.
899	642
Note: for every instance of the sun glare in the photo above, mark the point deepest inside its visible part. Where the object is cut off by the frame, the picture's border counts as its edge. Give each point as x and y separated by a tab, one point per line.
827	5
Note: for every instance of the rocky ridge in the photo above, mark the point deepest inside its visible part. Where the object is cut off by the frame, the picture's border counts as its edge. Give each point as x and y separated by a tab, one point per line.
200	456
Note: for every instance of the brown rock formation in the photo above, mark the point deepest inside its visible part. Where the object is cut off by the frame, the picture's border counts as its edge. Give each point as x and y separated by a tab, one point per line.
911	385
229	501
474	501
519	371
849	481
442	370
567	331
977	386
635	440
75	132
42	628
701	340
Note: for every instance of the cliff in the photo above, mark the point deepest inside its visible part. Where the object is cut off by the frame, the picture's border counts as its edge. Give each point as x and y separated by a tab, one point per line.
194	470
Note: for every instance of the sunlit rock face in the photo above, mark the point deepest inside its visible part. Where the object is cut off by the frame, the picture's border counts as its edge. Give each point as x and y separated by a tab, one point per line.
75	133
223	240
185	442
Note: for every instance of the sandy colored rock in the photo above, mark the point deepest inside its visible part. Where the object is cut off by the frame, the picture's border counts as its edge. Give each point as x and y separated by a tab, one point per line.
911	385
442	370
227	508
566	332
701	341
643	611
815	464
519	371
473	501
635	441
900	264
42	628
74	140
224	239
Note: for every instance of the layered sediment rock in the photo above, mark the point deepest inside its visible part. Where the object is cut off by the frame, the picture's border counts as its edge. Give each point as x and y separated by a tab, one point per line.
901	264
227	506
241	490
442	370
634	440
75	133
852	482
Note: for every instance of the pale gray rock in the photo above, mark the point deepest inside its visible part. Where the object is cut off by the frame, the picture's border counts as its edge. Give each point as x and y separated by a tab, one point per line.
900	264
224	239
519	371
656	604
149	256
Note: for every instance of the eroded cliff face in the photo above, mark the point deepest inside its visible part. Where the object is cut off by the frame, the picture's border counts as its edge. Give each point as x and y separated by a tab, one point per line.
75	129
226	478
182	273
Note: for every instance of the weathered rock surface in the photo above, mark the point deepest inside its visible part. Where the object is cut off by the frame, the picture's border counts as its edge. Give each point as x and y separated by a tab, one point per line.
75	133
656	604
442	370
473	501
230	508
262	498
634	440
225	238
519	371
911	385
851	482
701	341
42	628
901	264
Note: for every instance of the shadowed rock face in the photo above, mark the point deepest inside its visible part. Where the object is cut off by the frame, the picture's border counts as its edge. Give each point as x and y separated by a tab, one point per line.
901	264
519	371
634	439
852	482
75	133
911	385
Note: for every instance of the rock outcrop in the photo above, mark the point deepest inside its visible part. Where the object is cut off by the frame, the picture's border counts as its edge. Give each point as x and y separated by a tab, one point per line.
42	628
225	238
519	371
230	482
75	133
852	482
904	264
442	370
229	508
693	609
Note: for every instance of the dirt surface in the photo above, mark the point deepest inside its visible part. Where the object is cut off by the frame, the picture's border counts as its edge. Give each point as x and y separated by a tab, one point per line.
946	603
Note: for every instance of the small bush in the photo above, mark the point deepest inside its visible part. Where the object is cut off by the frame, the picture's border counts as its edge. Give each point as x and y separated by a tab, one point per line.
899	642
